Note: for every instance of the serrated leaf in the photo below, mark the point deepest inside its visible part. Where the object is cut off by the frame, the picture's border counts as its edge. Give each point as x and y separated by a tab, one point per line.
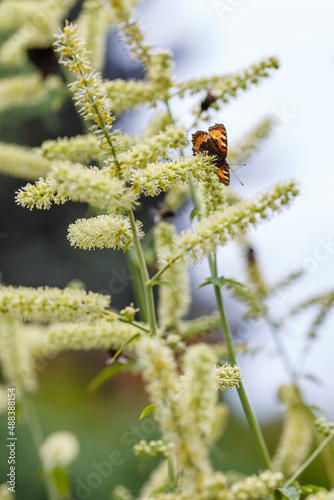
292	492
165	283
106	374
148	410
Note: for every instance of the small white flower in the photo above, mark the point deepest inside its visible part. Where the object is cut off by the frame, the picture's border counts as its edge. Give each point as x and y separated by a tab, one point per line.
59	449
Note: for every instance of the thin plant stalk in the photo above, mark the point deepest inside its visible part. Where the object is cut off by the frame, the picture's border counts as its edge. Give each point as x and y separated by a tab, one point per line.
137	283
252	421
147	289
249	413
36	435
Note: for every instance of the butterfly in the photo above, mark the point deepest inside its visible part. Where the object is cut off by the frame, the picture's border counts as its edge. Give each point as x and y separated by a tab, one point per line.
214	144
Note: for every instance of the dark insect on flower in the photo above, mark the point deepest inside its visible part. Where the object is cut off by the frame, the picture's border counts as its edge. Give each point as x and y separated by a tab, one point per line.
214	144
209	99
162	213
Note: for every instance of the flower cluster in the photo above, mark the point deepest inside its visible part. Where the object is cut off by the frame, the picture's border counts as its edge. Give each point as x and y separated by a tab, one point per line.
221	226
78	149
89	93
94	24
59	449
199	389
23	349
228	377
326	428
152	449
199	326
322	494
160	373
21	162
85	337
296	437
17	91
221	89
103	231
158	177
40	195
51	304
126	168
253	487
32	25
96	187
153	148
128	94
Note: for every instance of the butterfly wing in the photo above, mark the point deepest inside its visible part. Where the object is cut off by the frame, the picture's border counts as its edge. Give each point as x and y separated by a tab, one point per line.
204	143
214	144
218	134
219	137
223	174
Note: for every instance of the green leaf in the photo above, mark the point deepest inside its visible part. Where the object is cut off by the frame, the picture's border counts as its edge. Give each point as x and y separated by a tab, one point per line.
107	373
165	283
110	371
193	214
126	245
204	283
148	410
234	282
221	282
61	481
123	346
292	492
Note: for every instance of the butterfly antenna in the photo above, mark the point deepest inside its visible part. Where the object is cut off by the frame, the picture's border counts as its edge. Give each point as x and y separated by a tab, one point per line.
237	176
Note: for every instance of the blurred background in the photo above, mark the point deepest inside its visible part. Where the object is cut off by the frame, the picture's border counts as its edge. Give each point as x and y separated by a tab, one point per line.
207	37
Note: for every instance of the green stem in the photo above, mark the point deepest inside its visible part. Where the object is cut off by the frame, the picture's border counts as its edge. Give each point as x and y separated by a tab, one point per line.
138	284
310	459
157	275
134	323
252	421
36	434
147	289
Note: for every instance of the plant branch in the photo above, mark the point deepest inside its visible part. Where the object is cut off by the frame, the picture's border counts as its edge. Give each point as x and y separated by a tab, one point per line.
147	289
251	418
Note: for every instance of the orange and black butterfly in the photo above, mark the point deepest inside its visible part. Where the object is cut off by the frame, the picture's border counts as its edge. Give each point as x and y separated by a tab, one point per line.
214	144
